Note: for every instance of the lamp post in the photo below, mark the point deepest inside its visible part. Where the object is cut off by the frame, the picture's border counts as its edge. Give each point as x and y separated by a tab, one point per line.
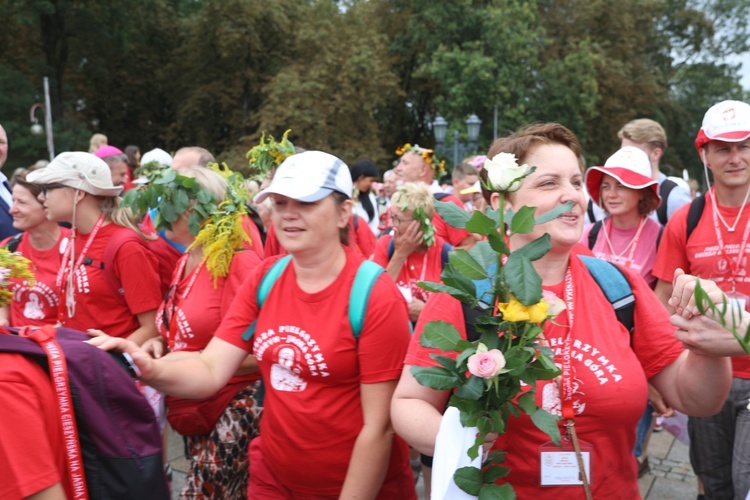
439	128
36	128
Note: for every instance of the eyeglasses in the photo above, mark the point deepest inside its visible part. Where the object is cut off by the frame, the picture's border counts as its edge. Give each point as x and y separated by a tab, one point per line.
50	187
397	221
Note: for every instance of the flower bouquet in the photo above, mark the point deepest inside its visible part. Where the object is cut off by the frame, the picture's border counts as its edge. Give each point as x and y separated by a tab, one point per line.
494	377
13	265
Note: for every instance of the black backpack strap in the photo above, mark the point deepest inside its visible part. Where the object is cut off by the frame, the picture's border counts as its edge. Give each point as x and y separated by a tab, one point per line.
440	196
665	188
616	288
445	253
594	233
13	243
470	319
694	214
590	211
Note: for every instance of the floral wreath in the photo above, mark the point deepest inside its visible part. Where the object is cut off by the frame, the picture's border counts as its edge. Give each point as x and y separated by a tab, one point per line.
268	155
428	155
219	228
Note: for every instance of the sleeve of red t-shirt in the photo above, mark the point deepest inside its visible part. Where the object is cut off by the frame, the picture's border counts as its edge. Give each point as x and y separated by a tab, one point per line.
242	266
272	243
365	238
380	257
653	336
449	233
142	289
385	334
439	307
671	252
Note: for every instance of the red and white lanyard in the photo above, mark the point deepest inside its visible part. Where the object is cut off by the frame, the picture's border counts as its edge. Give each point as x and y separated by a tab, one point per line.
69	289
632	245
734	265
566	392
175	303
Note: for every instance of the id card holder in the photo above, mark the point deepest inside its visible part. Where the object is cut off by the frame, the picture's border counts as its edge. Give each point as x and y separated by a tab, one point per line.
559	464
738	301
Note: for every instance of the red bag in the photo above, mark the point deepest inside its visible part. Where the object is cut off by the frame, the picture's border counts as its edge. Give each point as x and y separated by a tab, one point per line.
198	417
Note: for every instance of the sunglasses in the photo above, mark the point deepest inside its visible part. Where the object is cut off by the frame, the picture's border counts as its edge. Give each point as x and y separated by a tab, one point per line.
50	187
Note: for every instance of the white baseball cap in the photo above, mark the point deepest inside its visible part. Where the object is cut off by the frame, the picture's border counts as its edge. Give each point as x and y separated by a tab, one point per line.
308	177
77	170
726	121
630	166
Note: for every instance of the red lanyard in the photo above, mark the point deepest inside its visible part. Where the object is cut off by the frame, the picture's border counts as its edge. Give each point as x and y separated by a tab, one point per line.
566	393
175	303
734	265
69	249
632	245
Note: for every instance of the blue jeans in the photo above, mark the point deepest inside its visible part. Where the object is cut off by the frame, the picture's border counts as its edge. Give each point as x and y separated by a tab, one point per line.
644	424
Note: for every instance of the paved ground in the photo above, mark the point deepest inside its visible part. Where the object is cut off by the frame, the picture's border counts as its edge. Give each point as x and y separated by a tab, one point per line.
670	476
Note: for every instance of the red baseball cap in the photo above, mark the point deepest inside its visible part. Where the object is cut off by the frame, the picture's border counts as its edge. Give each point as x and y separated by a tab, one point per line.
630	166
726	121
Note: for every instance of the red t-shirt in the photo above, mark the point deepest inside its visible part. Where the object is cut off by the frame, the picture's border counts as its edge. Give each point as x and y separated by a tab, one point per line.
702	256
195	307
610	383
418	266
32	456
449	233
96	303
312	367
360	238
39	304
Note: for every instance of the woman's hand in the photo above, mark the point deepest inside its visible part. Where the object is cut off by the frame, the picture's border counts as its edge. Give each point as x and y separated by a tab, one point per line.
156	347
703	335
683	294
141	358
408	242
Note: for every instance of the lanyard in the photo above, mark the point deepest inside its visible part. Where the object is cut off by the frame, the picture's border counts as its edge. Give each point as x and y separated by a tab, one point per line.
172	321
69	290
734	265
566	393
632	245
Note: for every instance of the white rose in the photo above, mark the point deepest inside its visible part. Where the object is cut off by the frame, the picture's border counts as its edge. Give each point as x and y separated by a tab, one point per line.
504	173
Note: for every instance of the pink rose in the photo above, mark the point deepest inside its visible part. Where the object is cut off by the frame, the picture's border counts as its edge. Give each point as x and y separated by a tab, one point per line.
555	305
486	364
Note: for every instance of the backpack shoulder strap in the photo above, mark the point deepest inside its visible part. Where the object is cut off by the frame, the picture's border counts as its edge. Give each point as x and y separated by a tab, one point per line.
440	196
616	288
364	281
264	288
590	211
391	248
594	233
13	243
445	253
694	214
665	188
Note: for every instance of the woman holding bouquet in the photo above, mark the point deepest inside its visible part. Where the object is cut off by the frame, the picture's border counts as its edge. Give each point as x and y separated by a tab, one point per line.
326	430
606	368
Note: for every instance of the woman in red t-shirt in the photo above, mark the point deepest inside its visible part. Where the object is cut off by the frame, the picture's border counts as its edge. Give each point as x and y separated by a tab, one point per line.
76	187
43	243
325	431
197	300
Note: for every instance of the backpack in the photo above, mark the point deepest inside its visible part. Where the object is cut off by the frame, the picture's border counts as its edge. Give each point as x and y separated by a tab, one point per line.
13	242
665	188
118	435
608	276
166	256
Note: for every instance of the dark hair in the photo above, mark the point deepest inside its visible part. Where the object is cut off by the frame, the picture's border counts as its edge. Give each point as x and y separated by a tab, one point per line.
340	198
528	138
19	178
648	202
130	152
365	168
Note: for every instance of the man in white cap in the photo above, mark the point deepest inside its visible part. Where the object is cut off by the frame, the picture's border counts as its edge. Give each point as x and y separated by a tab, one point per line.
6	198
709	238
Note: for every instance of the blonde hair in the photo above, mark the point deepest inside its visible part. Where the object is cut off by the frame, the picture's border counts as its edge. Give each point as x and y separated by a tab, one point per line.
120	214
645	131
414	195
208	180
97	141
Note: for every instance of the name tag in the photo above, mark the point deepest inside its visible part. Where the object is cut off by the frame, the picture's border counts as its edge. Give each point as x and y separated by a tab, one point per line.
559	465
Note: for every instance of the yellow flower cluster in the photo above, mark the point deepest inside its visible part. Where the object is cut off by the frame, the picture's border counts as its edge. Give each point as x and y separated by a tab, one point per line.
269	154
221	236
428	155
13	265
516	311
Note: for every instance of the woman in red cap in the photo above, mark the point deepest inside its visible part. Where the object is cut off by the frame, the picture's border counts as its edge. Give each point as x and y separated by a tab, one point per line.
626	191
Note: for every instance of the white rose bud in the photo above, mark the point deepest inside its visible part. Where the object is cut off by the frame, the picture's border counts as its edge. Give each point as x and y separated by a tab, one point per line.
504	173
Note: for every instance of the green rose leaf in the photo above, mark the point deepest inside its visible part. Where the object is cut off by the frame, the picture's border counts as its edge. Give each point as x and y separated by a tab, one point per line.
465	406
454	292
497	422
168	213
466	354
494	472
497	243
494	215
481	224
497	492
446	362
523	221
537	248
469	479
522	279
554	213
452	277
527	403
547	424
435	378
483	253
452	214
472	389
441	335
466	265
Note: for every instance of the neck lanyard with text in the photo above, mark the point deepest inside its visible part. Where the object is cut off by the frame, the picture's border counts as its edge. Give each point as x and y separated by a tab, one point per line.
734	266
79	261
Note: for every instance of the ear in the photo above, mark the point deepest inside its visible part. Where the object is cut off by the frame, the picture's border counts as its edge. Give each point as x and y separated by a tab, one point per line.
656	154
345	213
79	195
495	201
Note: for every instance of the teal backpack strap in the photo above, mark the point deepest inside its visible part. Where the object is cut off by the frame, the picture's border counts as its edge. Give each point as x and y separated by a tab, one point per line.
264	288
616	288
364	281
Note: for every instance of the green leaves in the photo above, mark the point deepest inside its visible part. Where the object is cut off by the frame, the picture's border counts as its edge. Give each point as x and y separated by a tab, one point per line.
441	335
434	377
547	424
522	279
554	213
452	214
467	265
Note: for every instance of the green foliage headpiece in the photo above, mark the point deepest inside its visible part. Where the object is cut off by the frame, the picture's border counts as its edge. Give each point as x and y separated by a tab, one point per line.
269	154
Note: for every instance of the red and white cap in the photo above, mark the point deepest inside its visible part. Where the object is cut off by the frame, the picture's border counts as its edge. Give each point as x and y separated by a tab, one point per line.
630	166
727	121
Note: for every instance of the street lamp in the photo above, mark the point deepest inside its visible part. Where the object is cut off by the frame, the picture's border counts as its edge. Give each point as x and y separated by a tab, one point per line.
36	128
439	128
472	130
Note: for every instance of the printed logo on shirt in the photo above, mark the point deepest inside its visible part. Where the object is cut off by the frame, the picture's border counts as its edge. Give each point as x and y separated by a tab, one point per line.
40	297
184	331
295	356
552	403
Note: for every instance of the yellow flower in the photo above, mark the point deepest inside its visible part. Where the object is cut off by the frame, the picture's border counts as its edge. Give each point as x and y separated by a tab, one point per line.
515	311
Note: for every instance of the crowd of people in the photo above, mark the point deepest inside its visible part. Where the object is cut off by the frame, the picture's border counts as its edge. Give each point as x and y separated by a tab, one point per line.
281	346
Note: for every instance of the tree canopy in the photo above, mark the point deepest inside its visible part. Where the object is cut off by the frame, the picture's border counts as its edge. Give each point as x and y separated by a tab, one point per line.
357	78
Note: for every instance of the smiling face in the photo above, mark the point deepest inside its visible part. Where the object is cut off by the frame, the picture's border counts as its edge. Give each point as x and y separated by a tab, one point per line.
27	212
556	180
303	227
618	199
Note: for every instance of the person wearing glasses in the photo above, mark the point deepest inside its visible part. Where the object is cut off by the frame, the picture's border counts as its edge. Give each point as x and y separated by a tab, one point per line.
76	187
412	252
43	243
197	300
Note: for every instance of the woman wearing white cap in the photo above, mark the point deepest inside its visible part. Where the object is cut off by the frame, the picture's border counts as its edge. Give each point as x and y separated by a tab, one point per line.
77	188
628	194
326	430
